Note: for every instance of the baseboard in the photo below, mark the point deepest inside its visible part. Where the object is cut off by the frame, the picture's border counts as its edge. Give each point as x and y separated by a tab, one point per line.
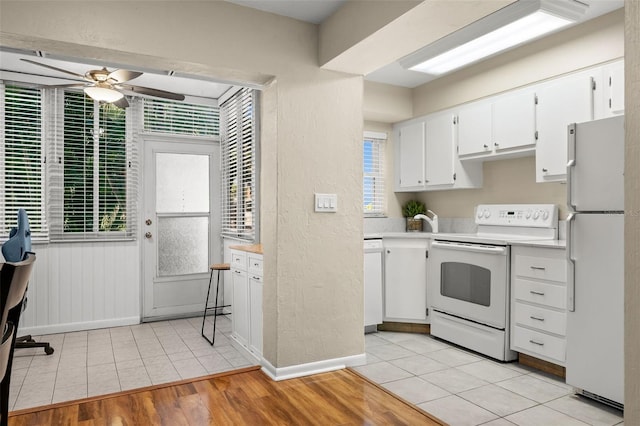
300	370
405	327
77	326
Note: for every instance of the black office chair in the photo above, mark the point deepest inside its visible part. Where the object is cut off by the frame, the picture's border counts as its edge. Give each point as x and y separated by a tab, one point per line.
15	250
14	278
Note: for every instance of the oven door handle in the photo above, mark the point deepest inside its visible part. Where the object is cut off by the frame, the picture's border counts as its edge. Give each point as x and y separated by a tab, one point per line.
470	247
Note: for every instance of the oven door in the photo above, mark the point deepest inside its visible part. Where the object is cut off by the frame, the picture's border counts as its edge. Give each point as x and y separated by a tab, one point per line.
470	281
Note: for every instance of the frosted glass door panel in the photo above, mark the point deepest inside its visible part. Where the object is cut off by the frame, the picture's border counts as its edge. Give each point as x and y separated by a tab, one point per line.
183	245
182	183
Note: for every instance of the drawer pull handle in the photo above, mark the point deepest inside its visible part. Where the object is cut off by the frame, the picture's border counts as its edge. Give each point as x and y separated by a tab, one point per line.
536	318
256	278
536	343
237	272
537	293
538	268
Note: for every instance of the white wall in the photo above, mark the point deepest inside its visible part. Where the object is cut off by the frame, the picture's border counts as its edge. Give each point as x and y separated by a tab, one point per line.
311	133
80	286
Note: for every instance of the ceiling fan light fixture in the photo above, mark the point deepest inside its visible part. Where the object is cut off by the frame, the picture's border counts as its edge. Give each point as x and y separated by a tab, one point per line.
104	94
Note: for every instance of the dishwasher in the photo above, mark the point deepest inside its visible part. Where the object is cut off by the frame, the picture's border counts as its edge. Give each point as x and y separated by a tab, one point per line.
372	284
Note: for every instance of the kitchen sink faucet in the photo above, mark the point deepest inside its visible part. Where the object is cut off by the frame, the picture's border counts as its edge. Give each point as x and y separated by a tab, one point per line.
433	221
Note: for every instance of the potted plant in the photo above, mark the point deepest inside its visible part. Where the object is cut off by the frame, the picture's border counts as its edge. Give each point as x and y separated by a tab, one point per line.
409	210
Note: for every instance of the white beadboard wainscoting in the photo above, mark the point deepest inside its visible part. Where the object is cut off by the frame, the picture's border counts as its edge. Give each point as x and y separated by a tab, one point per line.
82	286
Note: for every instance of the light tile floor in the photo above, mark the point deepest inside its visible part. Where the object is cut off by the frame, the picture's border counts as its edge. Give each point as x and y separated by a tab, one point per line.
456	385
98	362
465	388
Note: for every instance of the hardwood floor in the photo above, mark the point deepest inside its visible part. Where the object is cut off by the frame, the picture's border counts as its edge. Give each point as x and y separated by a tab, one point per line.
246	397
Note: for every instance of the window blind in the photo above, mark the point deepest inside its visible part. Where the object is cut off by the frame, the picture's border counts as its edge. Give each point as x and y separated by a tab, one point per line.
373	176
92	175
238	152
180	118
21	159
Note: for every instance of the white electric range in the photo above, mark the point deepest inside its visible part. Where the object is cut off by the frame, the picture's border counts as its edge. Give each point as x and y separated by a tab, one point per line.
470	275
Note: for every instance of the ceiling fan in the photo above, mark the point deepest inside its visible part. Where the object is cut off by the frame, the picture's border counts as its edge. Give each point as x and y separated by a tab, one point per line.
108	86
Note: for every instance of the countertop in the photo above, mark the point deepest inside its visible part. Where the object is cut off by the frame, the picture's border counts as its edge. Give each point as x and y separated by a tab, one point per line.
253	248
398	235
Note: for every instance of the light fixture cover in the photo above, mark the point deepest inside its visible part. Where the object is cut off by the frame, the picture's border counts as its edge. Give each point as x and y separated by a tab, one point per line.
104	94
511	26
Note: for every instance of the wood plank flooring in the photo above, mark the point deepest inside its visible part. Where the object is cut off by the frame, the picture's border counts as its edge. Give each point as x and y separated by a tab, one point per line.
247	397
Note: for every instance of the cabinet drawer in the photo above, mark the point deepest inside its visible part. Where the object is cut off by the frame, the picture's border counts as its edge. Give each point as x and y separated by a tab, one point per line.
239	260
541	268
539	343
541	293
255	264
541	318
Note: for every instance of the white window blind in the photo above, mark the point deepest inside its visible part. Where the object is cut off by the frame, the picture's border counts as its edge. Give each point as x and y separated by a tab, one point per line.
373	175
93	172
21	159
180	118
238	146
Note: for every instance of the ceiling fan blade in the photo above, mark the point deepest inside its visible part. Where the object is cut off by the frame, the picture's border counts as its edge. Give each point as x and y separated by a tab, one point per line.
121	103
54	68
66	86
152	92
119	76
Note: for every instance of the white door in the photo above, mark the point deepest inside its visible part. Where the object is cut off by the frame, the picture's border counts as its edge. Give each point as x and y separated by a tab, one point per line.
180	225
474	129
411	150
405	291
514	121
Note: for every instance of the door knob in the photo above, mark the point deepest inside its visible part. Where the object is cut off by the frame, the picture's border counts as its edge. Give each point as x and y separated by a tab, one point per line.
147	235
148	221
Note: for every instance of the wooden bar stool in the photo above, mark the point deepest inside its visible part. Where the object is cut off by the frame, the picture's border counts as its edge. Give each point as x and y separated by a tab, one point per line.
215	267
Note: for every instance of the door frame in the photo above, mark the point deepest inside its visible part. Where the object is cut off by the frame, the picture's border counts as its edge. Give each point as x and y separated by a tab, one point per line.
147	196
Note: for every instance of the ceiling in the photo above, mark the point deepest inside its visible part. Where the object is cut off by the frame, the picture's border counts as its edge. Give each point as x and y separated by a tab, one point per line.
313	11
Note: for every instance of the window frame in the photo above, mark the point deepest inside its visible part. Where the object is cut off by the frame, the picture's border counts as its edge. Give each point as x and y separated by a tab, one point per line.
377	174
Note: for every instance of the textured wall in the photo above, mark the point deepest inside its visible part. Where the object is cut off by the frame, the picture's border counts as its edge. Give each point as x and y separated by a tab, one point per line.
632	214
311	136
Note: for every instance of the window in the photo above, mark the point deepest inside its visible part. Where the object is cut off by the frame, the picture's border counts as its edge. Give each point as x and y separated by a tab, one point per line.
93	175
373	173
21	158
180	118
238	146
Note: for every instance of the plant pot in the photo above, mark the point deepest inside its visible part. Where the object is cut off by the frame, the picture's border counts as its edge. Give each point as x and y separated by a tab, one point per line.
414	225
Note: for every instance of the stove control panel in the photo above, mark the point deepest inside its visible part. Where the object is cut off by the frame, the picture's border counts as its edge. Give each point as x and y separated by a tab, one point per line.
529	215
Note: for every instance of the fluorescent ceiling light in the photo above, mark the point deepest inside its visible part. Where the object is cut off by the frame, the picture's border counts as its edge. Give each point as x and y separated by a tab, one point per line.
104	94
511	26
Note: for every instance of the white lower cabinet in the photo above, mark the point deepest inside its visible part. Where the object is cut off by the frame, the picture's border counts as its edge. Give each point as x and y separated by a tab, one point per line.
246	318
405	280
538	302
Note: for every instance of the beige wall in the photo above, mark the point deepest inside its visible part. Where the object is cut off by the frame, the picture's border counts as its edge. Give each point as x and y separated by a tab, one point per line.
386	103
594	42
632	216
311	142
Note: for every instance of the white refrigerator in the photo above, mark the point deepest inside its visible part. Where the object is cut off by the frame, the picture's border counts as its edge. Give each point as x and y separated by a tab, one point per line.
595	252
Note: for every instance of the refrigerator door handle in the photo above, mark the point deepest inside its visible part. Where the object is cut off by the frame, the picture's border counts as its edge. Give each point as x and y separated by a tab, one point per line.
571	266
571	156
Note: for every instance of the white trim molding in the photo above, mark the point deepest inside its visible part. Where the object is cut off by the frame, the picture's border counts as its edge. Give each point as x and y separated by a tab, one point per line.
300	370
78	326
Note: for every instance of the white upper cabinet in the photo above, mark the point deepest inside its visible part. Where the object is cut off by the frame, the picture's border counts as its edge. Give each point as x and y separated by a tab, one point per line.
474	129
440	150
514	121
409	158
561	102
614	87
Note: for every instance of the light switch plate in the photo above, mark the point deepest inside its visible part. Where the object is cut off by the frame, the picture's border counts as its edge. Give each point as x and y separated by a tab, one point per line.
326	203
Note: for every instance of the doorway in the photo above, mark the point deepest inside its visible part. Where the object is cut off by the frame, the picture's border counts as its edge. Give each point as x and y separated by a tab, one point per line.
180	226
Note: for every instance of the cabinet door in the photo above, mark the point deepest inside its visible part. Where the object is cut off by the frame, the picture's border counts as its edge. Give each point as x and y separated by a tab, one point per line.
474	129
514	117
439	152
614	82
411	156
372	288
406	281
240	317
255	324
568	100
